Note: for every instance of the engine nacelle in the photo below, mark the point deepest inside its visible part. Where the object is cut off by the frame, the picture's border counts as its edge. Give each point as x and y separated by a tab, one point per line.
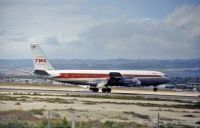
130	81
136	82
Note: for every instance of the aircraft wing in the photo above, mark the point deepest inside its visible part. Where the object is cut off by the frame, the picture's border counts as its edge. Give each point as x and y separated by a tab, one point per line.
115	74
113	80
117	79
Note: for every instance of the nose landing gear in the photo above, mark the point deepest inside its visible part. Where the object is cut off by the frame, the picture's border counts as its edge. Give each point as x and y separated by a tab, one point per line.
155	89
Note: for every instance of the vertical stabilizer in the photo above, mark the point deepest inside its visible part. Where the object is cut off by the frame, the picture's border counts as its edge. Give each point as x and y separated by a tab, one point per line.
40	61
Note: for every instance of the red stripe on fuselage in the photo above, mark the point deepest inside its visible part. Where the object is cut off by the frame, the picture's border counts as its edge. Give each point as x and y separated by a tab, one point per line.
88	75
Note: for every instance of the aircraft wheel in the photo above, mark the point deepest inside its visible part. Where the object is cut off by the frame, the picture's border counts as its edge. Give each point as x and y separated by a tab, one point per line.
155	89
96	90
108	90
104	90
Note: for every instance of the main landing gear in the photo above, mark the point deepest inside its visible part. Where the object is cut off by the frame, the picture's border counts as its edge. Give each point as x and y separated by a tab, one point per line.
94	89
106	90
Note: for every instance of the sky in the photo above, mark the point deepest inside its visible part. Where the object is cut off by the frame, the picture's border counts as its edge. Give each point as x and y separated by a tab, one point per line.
101	29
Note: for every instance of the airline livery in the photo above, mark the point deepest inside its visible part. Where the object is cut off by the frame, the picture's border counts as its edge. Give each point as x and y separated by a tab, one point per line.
96	78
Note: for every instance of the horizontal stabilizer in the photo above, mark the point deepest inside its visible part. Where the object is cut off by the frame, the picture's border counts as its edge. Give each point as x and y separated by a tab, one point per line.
41	73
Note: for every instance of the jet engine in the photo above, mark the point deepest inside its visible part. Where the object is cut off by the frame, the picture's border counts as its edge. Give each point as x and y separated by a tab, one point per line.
125	81
136	82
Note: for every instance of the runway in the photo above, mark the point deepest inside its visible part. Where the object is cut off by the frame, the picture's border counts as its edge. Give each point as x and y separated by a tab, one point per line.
84	92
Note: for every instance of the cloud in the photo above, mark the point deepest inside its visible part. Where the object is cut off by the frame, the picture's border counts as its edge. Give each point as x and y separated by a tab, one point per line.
175	36
185	19
25	22
97	30
52	41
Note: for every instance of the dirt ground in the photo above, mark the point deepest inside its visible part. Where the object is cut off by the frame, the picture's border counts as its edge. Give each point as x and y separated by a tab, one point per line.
119	109
103	109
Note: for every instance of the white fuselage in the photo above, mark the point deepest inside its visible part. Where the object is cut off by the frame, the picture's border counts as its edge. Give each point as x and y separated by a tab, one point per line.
86	76
93	77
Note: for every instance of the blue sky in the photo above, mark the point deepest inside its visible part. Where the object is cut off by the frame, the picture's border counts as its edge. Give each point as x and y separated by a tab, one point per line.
97	29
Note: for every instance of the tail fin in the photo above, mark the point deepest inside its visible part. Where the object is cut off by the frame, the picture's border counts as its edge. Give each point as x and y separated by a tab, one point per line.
40	61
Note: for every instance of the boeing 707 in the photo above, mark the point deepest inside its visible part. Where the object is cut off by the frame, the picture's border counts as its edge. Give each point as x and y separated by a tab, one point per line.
96	79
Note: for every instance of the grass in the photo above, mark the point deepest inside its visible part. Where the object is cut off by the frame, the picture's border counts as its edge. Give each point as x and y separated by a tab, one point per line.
37	111
137	115
185	106
20	115
26	119
90	102
172	125
64	101
7	98
71	109
12	98
198	122
17	103
166	119
55	114
189	115
63	123
18	124
110	124
121	118
58	100
24	98
16	115
122	97
54	100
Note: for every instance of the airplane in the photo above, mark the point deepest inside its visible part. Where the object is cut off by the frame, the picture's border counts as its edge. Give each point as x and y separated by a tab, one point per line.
96	78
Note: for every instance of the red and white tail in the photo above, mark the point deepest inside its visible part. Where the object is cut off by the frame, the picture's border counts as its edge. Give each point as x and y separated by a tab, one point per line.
40	61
